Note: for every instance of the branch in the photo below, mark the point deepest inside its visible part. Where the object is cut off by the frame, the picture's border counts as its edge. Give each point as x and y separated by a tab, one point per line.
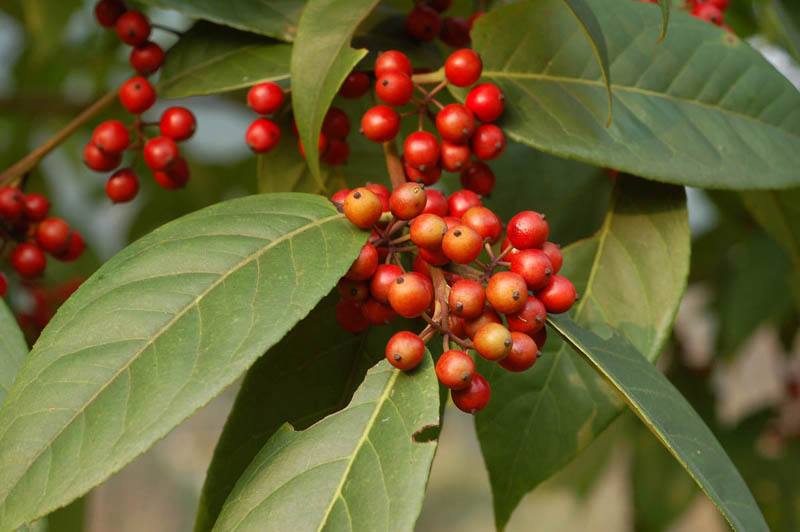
396	173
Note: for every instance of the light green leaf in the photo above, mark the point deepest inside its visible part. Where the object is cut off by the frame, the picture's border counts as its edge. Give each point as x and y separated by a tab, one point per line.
669	417
321	60
12	349
701	108
155	333
630	275
209	59
363	468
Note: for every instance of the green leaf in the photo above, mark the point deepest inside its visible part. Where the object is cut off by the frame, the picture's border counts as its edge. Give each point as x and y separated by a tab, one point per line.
701	108
778	25
669	417
12	349
630	275
209	59
321	60
273	18
155	333
363	468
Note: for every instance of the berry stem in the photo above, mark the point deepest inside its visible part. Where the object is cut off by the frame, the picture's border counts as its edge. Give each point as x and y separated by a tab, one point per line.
396	173
400	240
161	27
429	77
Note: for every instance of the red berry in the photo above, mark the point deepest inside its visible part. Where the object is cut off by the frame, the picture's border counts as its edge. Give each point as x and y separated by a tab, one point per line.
493	341
473	17
408	201
461	200
530	319
440	5
523	355
423	23
428	177
355	85
507	292
437	202
434	257
405	350
722	5
392	61
559	295
160	153
262	135
394	88
540	337
111	136
467	299
337	153
484	222
353	290
53	235
486	101
455	32
455	369
471	327
527	229
363	208
488	142
455	123
462	244
177	123
28	260
339	196
137	95
146	58
98	160
349	316
365	264
381	191
421	150
708	12
265	98
380	123
475	397
534	266
122	186
12	203
410	295
478	177
454	157
36	207
74	249
3	285
382	279
133	28
463	67
378	313
174	177
427	231
336	124
553	253
108	11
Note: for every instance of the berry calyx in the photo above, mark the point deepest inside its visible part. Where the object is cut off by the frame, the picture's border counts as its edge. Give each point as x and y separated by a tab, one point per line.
486	101
463	67
380	123
28	260
405	350
262	135
559	295
493	341
410	296
474	397
523	354
527	229
122	186
363	208
507	292
177	123
467	299
455	369
265	98
408	201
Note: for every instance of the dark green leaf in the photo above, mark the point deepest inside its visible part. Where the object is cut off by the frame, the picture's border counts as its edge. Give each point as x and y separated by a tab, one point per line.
157	332
12	349
362	468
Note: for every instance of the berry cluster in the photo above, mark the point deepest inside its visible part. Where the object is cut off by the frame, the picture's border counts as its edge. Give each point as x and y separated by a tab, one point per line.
465	130
425	23
457	283
103	153
712	11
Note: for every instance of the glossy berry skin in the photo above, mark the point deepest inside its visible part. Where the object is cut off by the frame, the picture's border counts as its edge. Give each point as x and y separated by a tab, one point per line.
507	292
454	157
175	177
708	12
530	319
462	200
382	279
527	229
111	136
74	249
3	285
427	231
133	28
28	260
479	178
36	207
455	32
488	142
355	85
486	101
349	316
455	369
380	123
455	123
12	203
429	177
484	222
421	150
262	135
394	88
365	264
265	98
146	58
534	266
122	186
392	61
559	295
405	350
463	67
493	341
137	95
353	290
410	295
363	208
408	201
336	124
471	327
53	235
523	355
473	398
106	12
160	153
177	123
98	160
423	23
381	191
462	244
437	202
467	299
553	253
377	313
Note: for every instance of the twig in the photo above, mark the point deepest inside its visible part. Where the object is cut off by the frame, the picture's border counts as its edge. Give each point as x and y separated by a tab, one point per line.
393	164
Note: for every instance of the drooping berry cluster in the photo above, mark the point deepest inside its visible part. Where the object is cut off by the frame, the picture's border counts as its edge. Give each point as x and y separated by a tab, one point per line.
491	301
110	140
425	22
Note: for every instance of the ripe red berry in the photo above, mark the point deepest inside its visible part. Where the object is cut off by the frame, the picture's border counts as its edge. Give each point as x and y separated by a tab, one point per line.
421	150
337	153
174	177
355	85
349	316
405	350
28	260
486	101
534	266
394	88
111	136
455	369
3	285
363	208
463	67
455	123
339	196
428	177
265	98
377	313
53	235
336	124
460	201
380	123
454	157
553	253
36	207
392	61
410	295
423	23
365	264
540	337
146	58
74	249
473	17
122	186
262	135
133	28
440	5
137	95
559	295
493	341
353	290
455	32
177	123
527	229
708	12
484	222
471	327
523	355
467	299
108	11
437	202
98	160
383	278
462	244
475	397
381	191
427	231
408	201
160	153
507	292
434	257
722	5
530	319
12	203
478	177
488	142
